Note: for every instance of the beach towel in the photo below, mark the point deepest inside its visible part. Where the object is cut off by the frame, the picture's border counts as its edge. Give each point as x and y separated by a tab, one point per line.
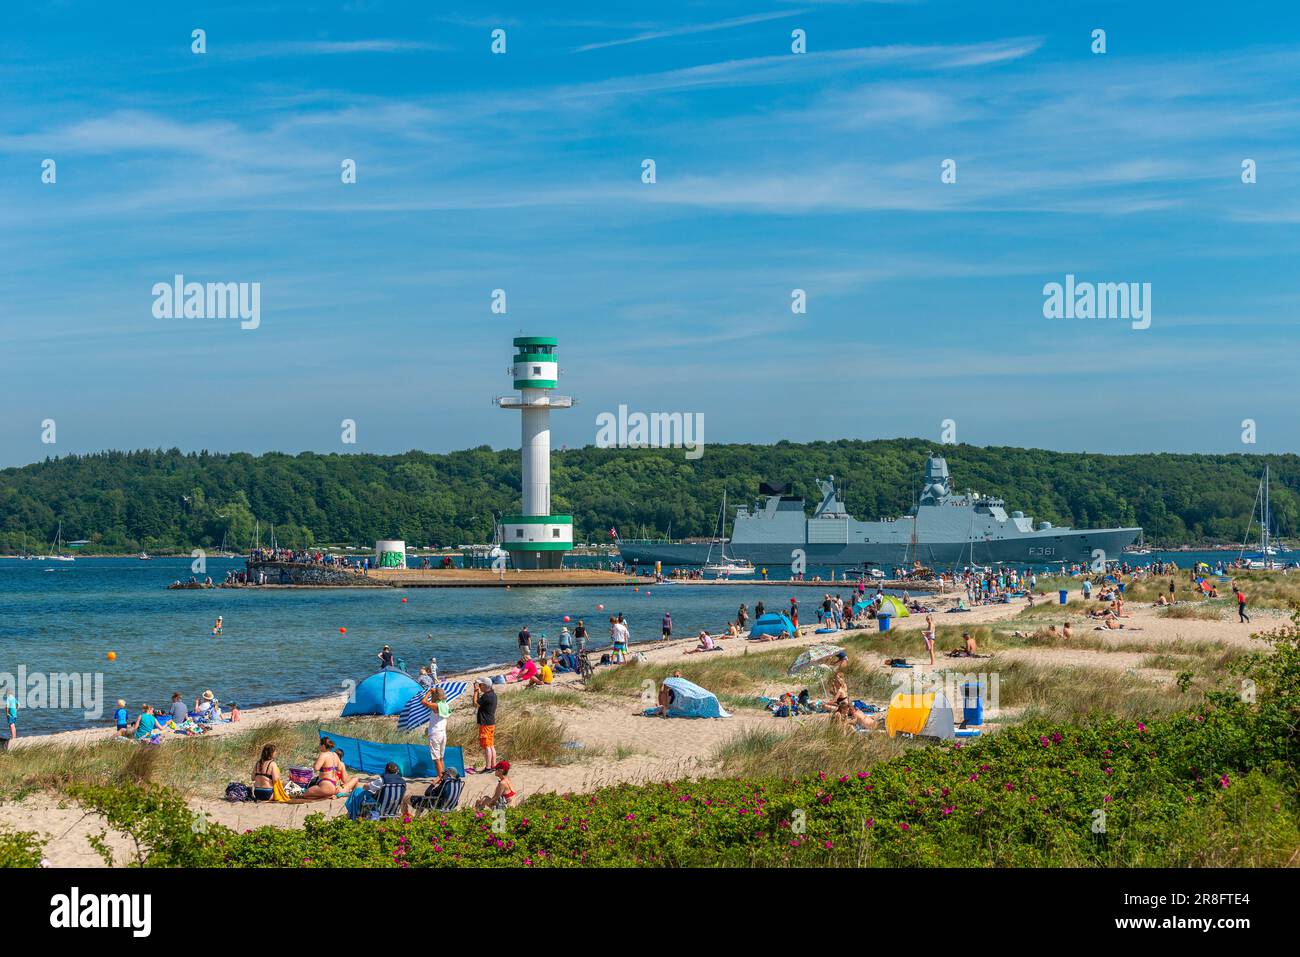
278	793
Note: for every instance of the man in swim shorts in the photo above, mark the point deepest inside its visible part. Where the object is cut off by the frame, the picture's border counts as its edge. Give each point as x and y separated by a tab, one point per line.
485	715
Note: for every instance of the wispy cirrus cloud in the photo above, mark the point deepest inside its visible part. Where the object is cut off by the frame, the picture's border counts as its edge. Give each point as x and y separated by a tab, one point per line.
308	48
687	29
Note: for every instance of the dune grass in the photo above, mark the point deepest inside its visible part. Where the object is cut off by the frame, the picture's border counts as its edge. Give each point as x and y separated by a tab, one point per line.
203	766
811	746
1202	611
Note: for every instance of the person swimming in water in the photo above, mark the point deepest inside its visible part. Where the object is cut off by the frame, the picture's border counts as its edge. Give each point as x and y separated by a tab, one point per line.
216	628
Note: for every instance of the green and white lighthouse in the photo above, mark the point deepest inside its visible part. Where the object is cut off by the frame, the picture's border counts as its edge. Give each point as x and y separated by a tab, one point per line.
536	538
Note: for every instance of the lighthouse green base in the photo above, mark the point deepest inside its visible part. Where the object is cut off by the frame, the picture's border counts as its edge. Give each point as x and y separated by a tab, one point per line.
537	541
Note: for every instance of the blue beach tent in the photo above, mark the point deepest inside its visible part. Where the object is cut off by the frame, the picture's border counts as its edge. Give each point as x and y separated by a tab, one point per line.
384	692
412	760
692	701
771	624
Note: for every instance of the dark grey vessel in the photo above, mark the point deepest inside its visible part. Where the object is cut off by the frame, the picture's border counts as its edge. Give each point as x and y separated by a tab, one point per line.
942	530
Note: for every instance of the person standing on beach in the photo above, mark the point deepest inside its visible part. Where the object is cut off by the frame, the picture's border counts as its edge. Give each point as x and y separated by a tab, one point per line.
525	641
485	716
580	636
758	611
1241	606
11	713
667	626
385	657
435	699
928	635
742	616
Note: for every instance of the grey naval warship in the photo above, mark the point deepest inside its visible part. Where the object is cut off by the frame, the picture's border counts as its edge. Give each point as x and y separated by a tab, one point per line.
942	530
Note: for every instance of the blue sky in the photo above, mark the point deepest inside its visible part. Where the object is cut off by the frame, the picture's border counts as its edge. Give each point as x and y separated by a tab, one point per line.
775	171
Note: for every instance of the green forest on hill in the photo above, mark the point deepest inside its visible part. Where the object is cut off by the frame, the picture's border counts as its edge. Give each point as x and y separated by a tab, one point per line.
161	500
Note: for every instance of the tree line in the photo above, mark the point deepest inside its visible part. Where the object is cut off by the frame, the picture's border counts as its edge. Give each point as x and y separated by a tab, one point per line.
171	500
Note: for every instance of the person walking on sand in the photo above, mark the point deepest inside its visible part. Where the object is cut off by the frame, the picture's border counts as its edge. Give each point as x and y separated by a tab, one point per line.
1241	606
525	641
667	626
580	635
928	635
485	716
742	616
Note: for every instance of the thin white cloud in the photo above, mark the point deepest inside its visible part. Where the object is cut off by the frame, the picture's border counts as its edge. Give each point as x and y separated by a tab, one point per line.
291	48
689	29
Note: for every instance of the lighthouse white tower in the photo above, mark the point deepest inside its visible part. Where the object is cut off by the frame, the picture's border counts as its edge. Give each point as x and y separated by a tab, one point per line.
536	538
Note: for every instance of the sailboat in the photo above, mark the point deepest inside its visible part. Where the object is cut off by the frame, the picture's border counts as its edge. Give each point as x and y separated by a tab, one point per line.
1264	557
726	565
57	549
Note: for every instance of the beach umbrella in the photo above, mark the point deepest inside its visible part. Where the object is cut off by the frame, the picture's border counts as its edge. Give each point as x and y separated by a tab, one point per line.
415	715
813	656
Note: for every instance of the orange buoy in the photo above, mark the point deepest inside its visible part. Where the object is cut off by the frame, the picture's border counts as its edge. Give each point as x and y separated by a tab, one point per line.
566	619
112	656
343	631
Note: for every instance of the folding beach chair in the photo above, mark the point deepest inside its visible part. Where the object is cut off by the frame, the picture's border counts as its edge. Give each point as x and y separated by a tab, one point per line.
443	796
387	803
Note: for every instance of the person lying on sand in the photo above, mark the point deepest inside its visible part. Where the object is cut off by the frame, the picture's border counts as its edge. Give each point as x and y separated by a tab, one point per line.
846	717
706	644
1114	624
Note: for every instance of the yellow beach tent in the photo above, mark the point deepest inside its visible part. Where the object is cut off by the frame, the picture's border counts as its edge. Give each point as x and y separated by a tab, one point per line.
892	606
929	715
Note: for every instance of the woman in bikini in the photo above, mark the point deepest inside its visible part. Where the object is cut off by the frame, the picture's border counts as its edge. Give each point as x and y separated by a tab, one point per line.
265	774
329	774
928	634
504	793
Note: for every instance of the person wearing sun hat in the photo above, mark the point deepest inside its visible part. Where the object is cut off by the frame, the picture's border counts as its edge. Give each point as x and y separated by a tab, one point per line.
207	706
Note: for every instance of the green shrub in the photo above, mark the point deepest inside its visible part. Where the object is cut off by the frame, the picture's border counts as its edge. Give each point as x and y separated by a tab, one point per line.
20	848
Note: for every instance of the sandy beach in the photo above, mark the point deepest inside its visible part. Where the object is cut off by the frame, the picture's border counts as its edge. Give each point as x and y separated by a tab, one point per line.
626	746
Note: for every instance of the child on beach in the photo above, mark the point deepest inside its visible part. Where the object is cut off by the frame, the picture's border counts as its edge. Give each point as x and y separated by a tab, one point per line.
122	719
234	712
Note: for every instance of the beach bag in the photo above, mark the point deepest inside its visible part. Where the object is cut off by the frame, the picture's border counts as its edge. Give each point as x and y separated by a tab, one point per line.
605	659
236	791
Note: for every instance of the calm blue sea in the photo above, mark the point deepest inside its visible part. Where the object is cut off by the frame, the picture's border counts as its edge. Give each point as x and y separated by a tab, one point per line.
285	645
